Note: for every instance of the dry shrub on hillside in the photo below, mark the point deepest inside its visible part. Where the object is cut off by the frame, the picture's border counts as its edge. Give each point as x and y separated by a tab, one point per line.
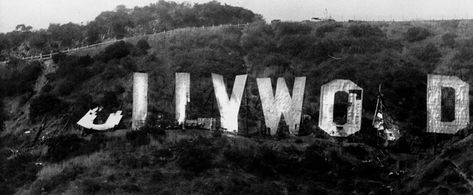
195	156
448	40
416	34
70	145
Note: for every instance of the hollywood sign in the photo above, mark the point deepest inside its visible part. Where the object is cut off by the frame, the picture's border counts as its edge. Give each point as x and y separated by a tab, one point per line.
281	102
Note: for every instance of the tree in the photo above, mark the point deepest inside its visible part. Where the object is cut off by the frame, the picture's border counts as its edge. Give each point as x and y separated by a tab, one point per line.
67	34
121	8
23	28
39	40
93	33
115	22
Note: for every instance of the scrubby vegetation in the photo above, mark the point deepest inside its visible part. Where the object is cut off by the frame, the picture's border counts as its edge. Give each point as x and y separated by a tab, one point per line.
19	78
53	158
121	22
197	162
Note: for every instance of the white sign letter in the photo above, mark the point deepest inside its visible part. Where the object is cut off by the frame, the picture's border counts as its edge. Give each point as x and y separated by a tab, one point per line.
87	121
353	116
282	103
229	107
140	100
182	96
435	83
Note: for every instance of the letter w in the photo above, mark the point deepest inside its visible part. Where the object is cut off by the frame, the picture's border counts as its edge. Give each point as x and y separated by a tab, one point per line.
282	103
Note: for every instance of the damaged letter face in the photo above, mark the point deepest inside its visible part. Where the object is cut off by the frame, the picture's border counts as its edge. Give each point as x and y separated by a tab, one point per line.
182	95
435	83
352	117
87	121
282	103
229	107
140	100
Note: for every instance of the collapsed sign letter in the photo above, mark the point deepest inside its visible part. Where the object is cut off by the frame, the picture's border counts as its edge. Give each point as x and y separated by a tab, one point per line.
140	100
229	107
435	83
87	121
182	96
282	103
353	115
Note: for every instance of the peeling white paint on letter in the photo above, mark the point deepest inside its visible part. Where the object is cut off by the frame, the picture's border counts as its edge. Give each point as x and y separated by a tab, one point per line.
229	107
355	99
282	104
140	100
435	83
87	121
182	95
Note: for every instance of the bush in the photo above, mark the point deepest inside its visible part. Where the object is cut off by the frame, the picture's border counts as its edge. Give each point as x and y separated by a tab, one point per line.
142	47
416	34
67	146
73	68
30	73
91	186
45	104
128	64
314	162
326	28
18	170
364	30
78	105
131	188
115	51
155	131
288	28
97	141
322	49
3	115
356	150
63	147
465	53
6	189
448	40
64	87
110	101
429	53
85	60
156	176
22	80
263	163
45	186
436	168
217	133
137	138
58	57
237	156
195	157
71	72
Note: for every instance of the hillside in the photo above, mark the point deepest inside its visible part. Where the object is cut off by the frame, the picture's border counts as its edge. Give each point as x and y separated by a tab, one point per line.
397	54
119	23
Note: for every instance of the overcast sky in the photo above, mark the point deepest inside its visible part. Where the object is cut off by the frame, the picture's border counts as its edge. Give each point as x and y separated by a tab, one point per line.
39	13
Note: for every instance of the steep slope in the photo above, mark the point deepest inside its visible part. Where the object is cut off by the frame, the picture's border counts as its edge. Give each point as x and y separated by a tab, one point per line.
398	54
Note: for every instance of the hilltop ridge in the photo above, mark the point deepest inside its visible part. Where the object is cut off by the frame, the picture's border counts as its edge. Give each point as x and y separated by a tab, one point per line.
49	155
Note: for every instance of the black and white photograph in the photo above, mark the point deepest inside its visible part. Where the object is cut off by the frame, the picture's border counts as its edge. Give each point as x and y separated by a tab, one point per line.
262	97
